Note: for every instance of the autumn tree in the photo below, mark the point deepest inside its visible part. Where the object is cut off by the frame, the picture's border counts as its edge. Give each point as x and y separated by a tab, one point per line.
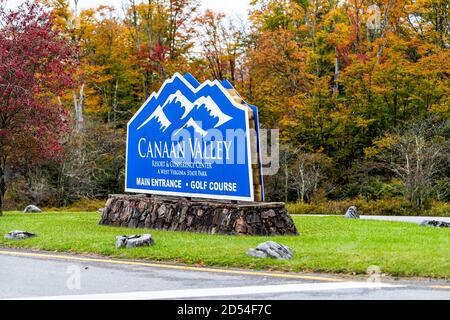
417	155
161	32
222	45
36	67
335	75
307	172
430	19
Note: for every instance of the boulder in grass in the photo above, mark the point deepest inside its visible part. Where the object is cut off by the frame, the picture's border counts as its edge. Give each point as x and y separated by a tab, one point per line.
121	242
352	213
128	242
272	250
32	209
256	253
19	235
435	224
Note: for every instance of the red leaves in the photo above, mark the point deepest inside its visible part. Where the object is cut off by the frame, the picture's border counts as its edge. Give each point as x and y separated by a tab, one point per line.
150	59
36	65
3	133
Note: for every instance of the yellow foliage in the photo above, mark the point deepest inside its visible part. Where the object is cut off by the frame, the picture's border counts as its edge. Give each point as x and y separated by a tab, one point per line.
381	144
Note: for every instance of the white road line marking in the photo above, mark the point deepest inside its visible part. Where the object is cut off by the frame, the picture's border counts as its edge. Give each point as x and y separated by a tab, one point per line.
221	292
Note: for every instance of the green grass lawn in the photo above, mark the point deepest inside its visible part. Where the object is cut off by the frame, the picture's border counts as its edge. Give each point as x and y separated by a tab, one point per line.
326	244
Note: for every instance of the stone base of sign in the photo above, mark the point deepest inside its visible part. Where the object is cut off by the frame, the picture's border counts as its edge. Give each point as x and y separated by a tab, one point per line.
203	216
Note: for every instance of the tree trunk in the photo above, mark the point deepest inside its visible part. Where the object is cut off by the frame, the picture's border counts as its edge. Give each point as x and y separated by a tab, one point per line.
79	104
1	204
286	182
357	26
336	72
302	187
2	188
115	105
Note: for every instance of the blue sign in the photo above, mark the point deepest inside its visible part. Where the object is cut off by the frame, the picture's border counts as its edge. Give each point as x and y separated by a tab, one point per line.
190	140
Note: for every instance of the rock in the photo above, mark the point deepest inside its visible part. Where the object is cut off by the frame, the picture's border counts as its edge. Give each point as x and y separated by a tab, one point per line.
268	214
19	235
128	242
241	226
121	242
272	250
101	210
31	209
252	218
162	211
140	241
256	253
352	213
435	224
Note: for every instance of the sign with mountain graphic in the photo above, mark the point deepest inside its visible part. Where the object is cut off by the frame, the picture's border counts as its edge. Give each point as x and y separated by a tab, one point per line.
191	140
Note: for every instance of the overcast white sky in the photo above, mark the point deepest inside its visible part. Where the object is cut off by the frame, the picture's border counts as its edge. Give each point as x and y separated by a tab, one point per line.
233	7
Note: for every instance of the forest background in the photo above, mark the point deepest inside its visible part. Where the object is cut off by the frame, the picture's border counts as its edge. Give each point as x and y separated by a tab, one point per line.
358	88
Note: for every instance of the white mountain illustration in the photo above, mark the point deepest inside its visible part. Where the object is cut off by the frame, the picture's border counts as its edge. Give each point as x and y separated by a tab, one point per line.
188	106
181	98
160	116
192	124
213	109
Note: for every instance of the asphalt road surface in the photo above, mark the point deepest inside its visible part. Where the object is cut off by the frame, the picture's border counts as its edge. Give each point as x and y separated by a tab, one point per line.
32	275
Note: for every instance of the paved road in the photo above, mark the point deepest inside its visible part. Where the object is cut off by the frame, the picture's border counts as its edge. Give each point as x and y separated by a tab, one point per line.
416	220
26	275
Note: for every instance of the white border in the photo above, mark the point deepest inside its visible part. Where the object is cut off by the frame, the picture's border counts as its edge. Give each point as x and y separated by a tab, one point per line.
195	195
